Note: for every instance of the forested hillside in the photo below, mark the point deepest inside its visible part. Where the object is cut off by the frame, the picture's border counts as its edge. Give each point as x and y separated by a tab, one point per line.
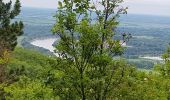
35	76
89	60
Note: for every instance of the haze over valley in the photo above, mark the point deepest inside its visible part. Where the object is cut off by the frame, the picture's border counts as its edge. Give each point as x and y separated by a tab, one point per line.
150	36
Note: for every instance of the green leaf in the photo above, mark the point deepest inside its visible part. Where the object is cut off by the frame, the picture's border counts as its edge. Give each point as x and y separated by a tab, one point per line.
60	4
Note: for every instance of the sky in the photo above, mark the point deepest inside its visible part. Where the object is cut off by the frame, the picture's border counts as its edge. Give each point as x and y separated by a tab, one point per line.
151	7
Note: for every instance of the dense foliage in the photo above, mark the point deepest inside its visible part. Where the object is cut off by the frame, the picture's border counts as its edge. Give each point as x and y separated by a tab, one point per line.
8	32
41	77
85	68
87	46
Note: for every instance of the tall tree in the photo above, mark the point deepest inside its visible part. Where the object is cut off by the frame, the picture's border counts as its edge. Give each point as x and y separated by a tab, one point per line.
87	47
9	30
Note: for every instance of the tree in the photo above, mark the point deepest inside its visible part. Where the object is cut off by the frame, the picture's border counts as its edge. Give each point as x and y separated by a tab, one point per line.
87	49
164	72
9	31
164	68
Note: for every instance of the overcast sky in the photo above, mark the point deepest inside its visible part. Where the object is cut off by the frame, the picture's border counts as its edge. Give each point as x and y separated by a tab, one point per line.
152	7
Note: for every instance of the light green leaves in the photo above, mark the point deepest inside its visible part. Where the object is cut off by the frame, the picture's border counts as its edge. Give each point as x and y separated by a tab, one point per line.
27	89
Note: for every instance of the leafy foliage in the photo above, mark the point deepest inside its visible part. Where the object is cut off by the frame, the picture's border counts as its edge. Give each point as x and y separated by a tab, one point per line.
8	31
26	89
41	77
27	71
86	68
87	48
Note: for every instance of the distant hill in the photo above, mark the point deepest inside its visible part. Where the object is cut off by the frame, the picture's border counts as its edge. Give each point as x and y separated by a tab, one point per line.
150	33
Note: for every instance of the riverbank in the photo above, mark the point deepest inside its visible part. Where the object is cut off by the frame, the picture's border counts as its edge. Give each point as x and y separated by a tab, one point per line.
46	44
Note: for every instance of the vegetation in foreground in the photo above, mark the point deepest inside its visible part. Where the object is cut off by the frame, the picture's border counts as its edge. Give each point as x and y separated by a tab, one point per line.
86	68
36	76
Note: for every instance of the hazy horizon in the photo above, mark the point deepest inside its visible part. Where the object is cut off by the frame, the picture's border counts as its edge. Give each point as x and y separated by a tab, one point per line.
146	7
